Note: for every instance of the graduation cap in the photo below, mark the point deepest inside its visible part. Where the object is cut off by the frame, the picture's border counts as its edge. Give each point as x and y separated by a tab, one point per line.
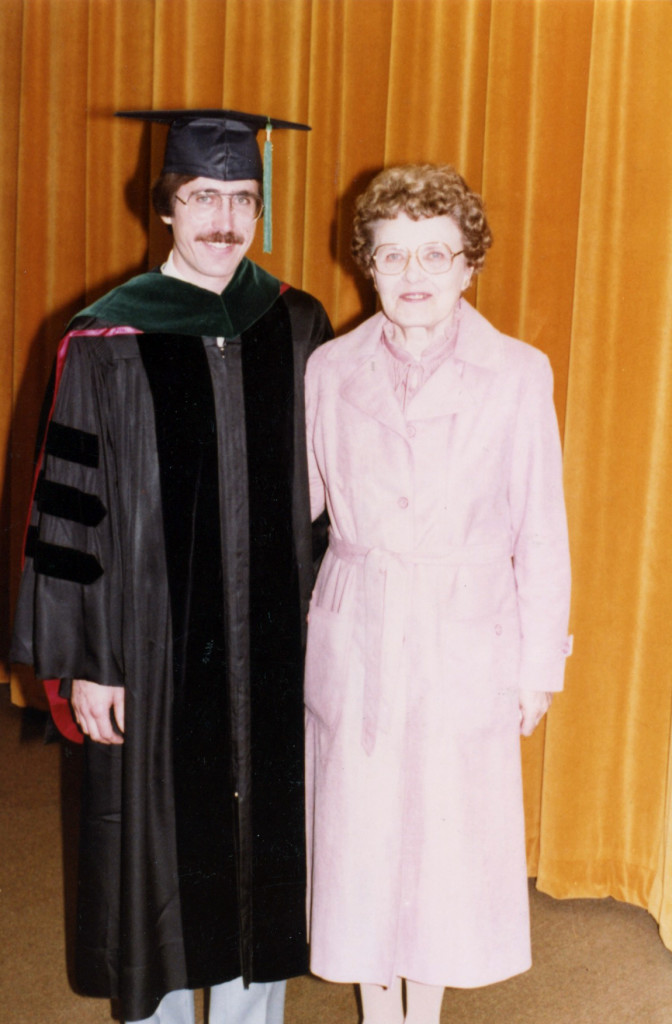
219	144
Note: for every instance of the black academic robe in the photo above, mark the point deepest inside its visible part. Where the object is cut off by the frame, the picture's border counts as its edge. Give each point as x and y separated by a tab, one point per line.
169	552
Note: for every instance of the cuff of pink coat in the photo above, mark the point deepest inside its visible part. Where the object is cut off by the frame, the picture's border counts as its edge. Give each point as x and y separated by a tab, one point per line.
545	672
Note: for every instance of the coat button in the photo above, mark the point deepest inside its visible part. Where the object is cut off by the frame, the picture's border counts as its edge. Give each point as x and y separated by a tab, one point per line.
498	630
403	503
410	430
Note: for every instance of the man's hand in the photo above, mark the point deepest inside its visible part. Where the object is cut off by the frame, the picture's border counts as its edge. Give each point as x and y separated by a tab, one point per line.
533	706
98	710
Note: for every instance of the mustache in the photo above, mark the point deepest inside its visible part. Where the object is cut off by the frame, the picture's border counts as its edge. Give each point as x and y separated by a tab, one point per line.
222	238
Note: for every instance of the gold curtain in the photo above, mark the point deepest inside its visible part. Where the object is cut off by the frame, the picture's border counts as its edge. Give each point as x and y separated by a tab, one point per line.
559	112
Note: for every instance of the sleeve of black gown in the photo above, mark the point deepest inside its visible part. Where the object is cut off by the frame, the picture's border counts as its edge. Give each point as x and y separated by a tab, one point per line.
310	327
68	615
316	328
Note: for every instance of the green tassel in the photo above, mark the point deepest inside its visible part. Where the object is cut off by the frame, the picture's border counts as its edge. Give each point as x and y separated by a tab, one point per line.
268	190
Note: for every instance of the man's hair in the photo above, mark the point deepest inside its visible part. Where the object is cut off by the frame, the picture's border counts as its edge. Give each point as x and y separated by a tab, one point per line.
164	190
421	191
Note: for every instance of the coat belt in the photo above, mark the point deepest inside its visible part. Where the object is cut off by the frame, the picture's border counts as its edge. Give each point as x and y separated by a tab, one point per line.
386	593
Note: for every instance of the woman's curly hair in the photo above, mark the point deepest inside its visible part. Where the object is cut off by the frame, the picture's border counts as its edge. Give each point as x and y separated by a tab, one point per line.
420	191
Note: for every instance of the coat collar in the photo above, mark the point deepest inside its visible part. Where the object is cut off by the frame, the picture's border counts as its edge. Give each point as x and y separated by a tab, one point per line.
453	388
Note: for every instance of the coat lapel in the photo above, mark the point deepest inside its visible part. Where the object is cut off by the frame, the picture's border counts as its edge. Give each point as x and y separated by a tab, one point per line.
455	387
369	388
448	391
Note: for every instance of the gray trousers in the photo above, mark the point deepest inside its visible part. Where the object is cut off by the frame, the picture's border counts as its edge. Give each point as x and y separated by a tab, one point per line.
230	1003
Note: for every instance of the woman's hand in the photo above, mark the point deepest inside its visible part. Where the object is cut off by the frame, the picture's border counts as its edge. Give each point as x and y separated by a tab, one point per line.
98	710
533	706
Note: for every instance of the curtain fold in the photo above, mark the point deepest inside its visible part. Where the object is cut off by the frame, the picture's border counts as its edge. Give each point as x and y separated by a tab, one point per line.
10	93
605	791
558	112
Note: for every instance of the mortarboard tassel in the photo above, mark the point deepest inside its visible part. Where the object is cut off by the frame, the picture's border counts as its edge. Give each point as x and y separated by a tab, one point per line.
268	189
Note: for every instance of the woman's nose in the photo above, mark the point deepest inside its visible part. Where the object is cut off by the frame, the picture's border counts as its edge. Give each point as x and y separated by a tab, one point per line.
413	269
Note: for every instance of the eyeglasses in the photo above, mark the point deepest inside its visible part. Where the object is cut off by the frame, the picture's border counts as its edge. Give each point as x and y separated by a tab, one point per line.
434	257
245	205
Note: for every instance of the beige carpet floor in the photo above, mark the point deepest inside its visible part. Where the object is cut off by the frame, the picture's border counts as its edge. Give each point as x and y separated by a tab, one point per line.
596	961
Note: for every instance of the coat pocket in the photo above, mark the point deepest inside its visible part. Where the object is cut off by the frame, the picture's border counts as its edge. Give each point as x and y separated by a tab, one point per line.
327	651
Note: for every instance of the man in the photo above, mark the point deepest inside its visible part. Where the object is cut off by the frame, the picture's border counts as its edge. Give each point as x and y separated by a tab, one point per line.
168	572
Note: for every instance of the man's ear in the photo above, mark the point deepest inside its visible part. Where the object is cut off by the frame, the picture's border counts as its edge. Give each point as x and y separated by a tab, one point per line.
166	220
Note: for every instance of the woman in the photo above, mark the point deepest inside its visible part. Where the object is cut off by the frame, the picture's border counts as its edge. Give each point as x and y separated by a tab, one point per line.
437	629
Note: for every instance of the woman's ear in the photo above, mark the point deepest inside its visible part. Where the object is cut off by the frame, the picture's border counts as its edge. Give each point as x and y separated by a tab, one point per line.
466	280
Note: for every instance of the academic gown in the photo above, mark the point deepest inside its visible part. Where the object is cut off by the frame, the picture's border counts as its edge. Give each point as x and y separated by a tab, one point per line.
169	551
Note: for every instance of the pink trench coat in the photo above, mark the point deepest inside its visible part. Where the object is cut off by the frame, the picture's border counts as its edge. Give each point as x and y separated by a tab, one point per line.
445	588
